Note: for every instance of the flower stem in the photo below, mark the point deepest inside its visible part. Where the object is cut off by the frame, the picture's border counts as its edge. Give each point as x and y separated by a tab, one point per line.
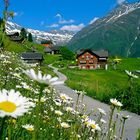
122	132
2	129
110	121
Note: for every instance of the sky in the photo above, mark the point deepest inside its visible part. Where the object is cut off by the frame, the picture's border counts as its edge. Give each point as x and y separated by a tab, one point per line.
71	15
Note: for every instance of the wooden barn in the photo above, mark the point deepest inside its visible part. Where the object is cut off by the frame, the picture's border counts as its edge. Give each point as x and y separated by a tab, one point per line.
32	57
88	59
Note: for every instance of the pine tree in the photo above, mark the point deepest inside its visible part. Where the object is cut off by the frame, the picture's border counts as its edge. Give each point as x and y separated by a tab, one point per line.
23	33
30	38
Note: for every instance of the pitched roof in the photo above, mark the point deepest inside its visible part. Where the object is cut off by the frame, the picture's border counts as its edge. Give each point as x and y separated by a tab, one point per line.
55	48
100	53
31	56
47	49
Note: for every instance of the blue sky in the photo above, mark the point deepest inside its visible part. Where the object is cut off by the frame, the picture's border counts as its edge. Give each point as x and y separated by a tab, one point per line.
60	14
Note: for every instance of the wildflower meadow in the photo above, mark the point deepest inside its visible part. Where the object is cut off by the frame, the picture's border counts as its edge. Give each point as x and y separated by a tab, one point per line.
31	108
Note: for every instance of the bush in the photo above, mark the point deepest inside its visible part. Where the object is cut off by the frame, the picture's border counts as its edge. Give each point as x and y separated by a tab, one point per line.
67	54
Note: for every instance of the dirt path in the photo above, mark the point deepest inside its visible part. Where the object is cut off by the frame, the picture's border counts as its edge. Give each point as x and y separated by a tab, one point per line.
132	124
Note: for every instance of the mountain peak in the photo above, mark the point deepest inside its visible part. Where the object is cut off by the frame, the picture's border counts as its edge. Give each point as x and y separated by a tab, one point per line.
57	37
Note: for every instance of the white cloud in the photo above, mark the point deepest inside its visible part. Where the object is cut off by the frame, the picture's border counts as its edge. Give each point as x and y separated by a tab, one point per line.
93	20
73	27
63	21
53	26
120	1
58	15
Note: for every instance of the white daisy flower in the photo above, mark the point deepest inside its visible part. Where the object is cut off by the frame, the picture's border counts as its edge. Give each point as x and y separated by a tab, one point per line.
116	103
28	127
103	121
46	79
130	74
65	97
59	113
102	111
69	109
93	125
13	104
65	125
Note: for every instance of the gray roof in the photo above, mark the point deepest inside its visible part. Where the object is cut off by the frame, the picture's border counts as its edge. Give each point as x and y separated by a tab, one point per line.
55	48
101	53
31	56
47	50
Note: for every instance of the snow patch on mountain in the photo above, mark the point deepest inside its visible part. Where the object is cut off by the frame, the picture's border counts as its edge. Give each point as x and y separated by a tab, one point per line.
57	37
121	11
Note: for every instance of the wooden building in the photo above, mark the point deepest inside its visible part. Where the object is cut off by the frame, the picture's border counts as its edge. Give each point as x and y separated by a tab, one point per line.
88	59
47	43
15	37
32	57
52	50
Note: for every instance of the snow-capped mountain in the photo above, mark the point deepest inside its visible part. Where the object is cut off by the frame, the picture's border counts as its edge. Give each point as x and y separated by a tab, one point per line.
57	37
118	32
122	10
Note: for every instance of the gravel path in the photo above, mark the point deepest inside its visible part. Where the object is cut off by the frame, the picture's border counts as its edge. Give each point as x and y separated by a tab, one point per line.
132	124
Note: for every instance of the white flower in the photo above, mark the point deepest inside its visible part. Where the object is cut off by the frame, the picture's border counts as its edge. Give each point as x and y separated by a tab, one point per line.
46	79
115	102
59	113
80	92
69	109
29	127
103	121
102	111
13	104
126	116
65	97
57	102
130	74
64	125
93	125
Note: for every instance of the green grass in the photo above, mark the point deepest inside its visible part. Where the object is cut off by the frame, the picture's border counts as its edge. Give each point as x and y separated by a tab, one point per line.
49	59
129	64
102	84
21	47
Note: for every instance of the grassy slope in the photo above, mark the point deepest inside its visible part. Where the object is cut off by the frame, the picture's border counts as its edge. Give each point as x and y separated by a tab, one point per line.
26	46
19	47
102	84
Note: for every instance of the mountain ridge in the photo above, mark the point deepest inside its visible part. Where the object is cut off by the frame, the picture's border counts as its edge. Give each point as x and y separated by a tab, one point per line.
118	32
57	37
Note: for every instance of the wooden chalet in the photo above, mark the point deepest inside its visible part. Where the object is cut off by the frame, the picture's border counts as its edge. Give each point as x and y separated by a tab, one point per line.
47	43
52	50
15	37
88	59
32	57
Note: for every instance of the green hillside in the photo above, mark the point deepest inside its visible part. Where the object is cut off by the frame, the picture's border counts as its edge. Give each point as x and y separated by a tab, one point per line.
21	47
120	36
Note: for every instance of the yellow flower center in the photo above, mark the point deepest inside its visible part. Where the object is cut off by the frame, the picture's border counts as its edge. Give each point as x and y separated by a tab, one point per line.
63	97
30	129
7	106
93	126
